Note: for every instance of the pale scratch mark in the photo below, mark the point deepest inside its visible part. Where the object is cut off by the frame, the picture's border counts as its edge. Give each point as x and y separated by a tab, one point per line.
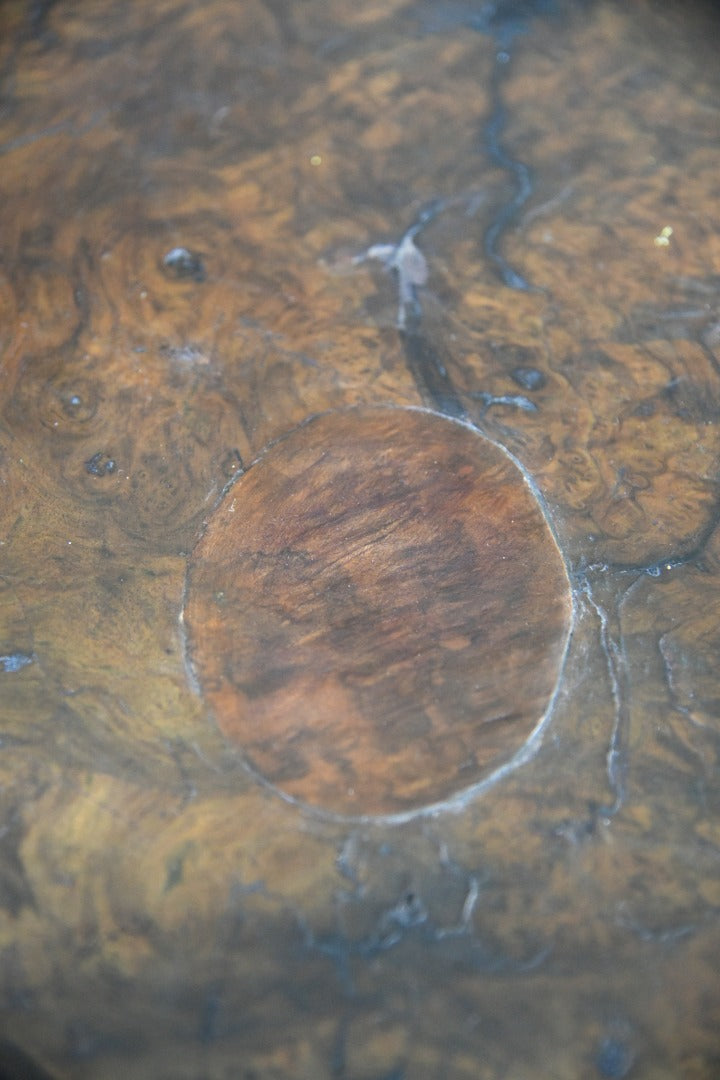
617	763
548	207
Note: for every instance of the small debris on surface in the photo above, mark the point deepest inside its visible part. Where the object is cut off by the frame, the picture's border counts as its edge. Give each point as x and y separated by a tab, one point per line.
528	377
14	662
410	265
100	464
182	263
517	401
663	237
407	261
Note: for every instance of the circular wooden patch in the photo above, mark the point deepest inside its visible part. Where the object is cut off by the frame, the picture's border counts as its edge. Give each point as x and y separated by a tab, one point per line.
377	612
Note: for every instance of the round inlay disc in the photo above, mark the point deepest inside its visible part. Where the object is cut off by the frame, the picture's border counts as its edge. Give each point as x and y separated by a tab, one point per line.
377	612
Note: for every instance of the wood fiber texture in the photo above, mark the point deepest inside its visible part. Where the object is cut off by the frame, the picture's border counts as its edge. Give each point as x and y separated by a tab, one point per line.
290	255
378	612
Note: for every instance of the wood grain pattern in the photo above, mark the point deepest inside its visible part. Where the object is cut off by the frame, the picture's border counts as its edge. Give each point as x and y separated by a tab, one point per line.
378	611
190	196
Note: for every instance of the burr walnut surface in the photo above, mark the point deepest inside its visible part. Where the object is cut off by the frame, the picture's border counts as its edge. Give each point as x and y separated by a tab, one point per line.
359	399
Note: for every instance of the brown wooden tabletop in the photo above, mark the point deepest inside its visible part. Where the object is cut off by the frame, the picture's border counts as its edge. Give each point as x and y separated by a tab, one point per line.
359	560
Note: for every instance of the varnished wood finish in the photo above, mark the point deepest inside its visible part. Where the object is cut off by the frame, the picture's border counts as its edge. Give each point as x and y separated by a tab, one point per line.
218	221
378	611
